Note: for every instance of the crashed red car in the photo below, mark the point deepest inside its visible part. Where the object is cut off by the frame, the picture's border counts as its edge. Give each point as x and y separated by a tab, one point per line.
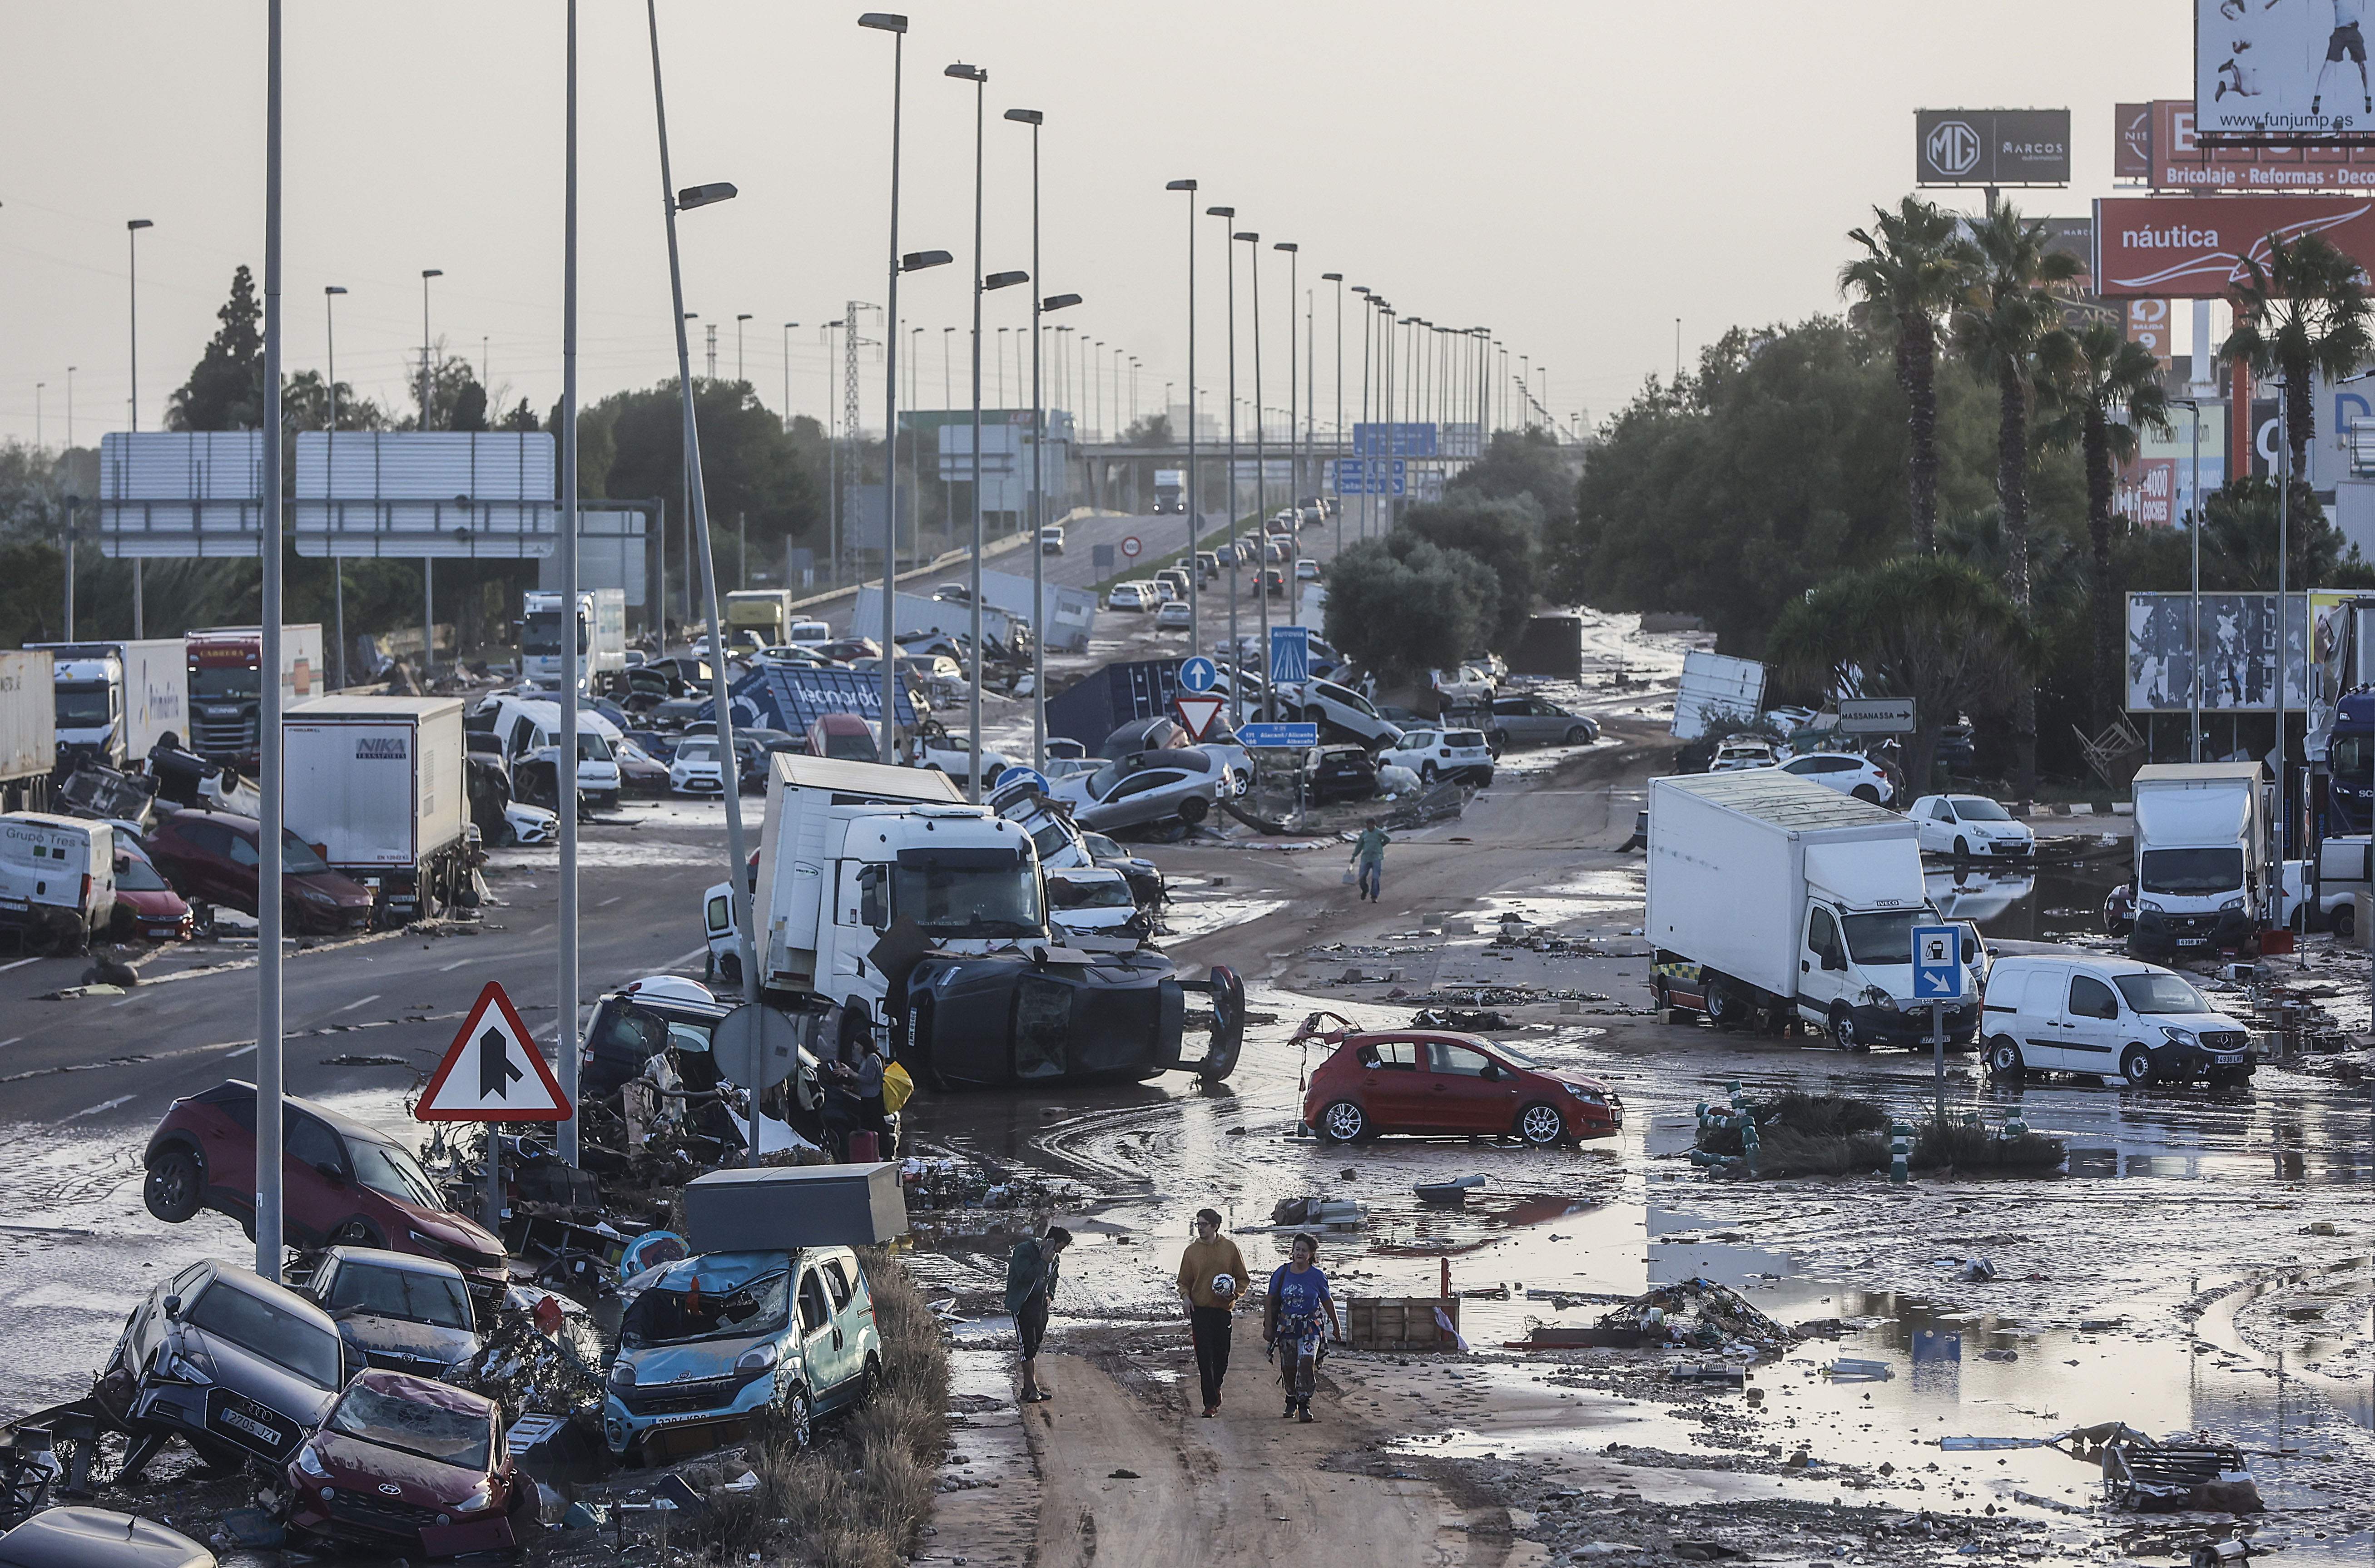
147	906
1439	1083
406	1464
343	1183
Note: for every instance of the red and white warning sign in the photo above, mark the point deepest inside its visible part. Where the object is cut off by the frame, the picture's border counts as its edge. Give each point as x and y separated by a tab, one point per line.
1196	711
1130	546
493	1071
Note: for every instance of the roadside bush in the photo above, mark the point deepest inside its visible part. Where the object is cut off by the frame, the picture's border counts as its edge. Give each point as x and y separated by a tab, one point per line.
1810	1135
1962	1149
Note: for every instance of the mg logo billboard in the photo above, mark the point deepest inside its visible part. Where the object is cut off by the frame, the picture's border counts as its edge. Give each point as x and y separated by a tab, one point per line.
1953	148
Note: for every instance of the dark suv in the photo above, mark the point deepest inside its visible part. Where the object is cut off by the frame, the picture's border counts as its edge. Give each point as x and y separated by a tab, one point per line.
212	857
343	1183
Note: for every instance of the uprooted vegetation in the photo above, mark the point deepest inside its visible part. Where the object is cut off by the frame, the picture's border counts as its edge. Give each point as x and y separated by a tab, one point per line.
1833	1135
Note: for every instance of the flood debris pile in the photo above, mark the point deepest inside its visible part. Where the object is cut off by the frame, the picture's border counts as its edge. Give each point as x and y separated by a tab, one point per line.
1797	1134
1699	1315
2187	1471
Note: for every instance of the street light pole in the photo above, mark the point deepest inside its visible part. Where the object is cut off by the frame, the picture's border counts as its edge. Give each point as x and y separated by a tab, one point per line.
569	1142
1338	279
896	26
1034	119
737	347
980	79
1236	667
131	244
429	563
270	1069
337	562
787	375
1261	484
1368	314
1195	511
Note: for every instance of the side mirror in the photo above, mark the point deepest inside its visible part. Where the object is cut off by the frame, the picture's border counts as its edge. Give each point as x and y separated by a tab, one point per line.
1492	1073
330	1173
174	1309
1835	960
1971	947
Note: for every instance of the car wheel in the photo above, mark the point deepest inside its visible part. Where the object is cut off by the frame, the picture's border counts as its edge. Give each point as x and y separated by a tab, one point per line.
355	1232
729	969
174	1188
796	1420
1343	1122
1724	1010
2346	922
2005	1058
868	1381
1540	1124
1843	1031
1962	848
1866	794
1426	774
1578	736
1193	809
2136	1066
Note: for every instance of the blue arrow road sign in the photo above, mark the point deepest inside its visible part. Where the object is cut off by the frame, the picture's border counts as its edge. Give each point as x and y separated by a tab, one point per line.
1037	780
1289	654
1197	675
1937	963
1259	736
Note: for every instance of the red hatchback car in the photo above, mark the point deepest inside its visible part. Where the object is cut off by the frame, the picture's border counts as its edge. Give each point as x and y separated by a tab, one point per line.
411	1466
211	857
343	1183
1435	1082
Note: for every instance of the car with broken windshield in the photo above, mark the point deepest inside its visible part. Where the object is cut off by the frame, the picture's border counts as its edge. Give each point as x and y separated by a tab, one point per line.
236	1366
405	1465
396	1311
712	1345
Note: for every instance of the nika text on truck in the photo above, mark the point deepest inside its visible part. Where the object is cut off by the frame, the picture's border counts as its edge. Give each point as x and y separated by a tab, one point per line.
886	904
601	636
377	783
116	700
2202	876
227	686
1774	900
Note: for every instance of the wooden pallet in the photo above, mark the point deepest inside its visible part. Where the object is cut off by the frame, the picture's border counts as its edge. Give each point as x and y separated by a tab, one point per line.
1401	1323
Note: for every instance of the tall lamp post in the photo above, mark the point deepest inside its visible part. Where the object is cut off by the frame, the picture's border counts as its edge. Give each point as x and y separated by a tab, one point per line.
330	293
1261	483
787	374
1338	279
1195	511
1034	119
738	320
565	979
270	1071
896	26
131	244
429	563
1229	484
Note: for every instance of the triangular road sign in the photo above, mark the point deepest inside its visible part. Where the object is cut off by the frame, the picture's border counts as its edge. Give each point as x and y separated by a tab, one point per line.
1197	711
492	1072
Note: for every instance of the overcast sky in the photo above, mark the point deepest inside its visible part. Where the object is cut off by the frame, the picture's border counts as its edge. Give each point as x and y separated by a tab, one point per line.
1574	174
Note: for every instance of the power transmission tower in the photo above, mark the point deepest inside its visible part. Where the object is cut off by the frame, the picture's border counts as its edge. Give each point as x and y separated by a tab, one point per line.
711	331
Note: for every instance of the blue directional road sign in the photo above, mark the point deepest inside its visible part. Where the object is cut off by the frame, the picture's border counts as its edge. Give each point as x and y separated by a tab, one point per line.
1036	779
1197	675
1371	476
1289	654
1937	963
1282	735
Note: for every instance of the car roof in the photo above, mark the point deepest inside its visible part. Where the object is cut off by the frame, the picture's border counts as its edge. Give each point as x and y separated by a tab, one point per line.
2111	963
422	1391
720	1271
401	1262
250	1284
75	1538
241	1088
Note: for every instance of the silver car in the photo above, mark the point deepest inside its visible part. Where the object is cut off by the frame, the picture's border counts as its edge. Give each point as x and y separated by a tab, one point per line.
1537	721
1178	784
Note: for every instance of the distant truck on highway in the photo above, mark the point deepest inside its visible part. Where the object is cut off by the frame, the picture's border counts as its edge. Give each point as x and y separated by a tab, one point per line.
227	686
1170	490
766	613
1773	897
378	785
116	700
601	636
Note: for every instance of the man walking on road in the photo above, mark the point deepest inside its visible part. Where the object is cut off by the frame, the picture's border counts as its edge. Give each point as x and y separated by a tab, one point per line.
1030	1286
1369	854
1212	1279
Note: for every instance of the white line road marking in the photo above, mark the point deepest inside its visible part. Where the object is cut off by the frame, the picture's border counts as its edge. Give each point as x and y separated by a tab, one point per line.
11	1040
103	1105
608	901
359	1001
20	964
446	968
241	1051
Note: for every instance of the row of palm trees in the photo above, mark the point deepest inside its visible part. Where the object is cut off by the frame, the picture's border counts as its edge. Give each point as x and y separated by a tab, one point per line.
1994	293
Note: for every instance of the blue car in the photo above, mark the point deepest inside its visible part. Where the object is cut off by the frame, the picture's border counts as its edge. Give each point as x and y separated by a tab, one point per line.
712	1345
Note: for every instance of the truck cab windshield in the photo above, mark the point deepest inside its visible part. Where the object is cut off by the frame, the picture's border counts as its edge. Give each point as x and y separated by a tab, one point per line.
2191	871
82	704
542	633
668	1316
968	892
1885	938
223	683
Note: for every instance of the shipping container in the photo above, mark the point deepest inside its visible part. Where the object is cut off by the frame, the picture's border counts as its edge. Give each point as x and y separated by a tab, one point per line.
28	728
378	785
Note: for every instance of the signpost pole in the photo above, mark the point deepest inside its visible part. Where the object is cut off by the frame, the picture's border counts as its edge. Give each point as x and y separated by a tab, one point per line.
1938	1058
494	1199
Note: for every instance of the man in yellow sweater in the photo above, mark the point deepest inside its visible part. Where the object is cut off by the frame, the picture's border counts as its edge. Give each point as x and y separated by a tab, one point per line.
1211	1282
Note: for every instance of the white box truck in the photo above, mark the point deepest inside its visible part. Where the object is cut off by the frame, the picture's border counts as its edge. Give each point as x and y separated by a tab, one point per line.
920	616
117	699
1773	897
1716	686
377	783
57	879
28	731
766	613
1069	615
2202	875
601	637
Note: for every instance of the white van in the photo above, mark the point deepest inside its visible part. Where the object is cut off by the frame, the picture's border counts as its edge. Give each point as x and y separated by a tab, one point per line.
808	634
528	726
2114	1017
53	871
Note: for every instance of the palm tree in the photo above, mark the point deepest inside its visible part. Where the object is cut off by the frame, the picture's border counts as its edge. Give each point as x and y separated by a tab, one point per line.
1907	270
2301	314
2010	300
2100	390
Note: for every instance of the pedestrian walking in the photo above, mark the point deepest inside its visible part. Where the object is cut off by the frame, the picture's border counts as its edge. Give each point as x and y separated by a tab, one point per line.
1292	1322
1211	1282
1031	1274
1369	856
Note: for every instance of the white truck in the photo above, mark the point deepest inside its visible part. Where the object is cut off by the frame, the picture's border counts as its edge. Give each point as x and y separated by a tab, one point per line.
2204	878
57	879
377	785
116	700
1069	615
29	733
227	686
766	613
1170	490
885	905
1772	899
601	636
1715	687
920	616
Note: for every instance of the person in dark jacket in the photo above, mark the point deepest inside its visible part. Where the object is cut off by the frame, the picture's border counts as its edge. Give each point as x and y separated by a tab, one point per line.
1031	1274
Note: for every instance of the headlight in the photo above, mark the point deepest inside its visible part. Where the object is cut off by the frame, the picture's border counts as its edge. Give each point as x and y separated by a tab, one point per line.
2230	905
481	1496
2177	1036
311	1463
756	1360
313	895
622	1375
178	1367
2149	907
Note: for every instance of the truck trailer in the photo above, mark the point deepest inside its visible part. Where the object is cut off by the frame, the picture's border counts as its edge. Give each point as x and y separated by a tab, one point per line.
1774	898
29	729
378	785
766	613
116	700
920	616
227	686
601	636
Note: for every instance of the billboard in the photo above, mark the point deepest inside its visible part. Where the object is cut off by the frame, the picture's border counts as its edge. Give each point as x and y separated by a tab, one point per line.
2132	140
181	493
2239	653
2177	160
2289	71
1991	147
421	493
2145	492
2178	248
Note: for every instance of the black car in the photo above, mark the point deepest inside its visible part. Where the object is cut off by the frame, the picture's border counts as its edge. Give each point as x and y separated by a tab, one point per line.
396	1311
983	1021
1145	878
1339	773
754	750
637	1022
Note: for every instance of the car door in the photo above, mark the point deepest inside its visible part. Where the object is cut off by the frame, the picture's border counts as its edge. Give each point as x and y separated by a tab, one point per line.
822	1344
1472	1092
316	1189
1823	965
1140	798
1390	1084
243	872
2090	1027
848	1328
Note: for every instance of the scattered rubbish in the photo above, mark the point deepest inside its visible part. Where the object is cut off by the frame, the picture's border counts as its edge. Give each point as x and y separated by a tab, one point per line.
1851	1368
1971	1444
1448	1192
1700	1313
1559	1337
1122	1475
1466	1021
1404	1322
2147	1476
1979	1270
364	1061
1336	1213
250	1527
1707	1372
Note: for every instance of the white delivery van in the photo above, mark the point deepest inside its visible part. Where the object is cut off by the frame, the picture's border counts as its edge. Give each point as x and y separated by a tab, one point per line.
2203	880
377	783
2108	1017
57	878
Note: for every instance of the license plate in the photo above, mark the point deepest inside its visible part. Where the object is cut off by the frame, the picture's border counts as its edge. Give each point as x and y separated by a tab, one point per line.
2192	941
250	1425
2229	1059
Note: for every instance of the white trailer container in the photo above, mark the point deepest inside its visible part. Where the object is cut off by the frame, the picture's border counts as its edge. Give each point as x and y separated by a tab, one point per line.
379	784
29	728
1772	896
918	617
1714	686
117	699
1067	616
2203	873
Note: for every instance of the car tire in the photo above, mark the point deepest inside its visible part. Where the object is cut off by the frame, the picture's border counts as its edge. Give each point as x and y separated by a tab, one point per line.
1843	1031
2136	1066
1866	794
1723	1009
1540	1124
1340	1121
355	1232
1962	848
2004	1059
2346	922
175	1187
795	1419
1578	736
868	1382
1426	774
1194	809
729	969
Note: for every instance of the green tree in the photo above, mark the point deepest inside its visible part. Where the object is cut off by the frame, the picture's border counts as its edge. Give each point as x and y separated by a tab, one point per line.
1522	462
225	390
1151	429
305	406
1937	632
1506	535
522	420
1400	606
1908	278
2302	313
2099	391
752	469
469	408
